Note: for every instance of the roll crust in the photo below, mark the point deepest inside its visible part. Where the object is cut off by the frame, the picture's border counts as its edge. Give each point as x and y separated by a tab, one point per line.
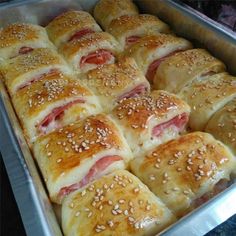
45	96
182	68
125	206
19	71
140	115
222	125
208	96
136	26
75	50
183	170
148	49
16	38
64	26
66	156
107	10
114	82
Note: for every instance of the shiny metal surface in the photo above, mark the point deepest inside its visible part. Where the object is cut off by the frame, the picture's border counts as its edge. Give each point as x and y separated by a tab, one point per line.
35	208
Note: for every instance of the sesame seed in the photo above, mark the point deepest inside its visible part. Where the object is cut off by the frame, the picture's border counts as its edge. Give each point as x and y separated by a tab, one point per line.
59	160
77	213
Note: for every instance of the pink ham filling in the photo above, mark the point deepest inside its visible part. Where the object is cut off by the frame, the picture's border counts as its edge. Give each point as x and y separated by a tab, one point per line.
25	50
56	115
178	121
99	57
80	34
93	173
219	187
138	90
39	77
132	39
155	64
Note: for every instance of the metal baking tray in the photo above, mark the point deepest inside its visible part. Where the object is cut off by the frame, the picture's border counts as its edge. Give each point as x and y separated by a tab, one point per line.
35	208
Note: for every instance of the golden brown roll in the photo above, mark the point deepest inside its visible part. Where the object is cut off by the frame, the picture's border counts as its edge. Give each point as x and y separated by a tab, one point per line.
223	125
114	82
182	68
21	71
208	96
71	25
91	51
129	28
52	102
19	38
107	10
152	119
116	204
150	51
75	155
187	171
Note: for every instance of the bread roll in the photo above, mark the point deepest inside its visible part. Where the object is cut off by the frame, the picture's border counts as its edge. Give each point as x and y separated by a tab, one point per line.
75	155
182	68
111	83
187	171
152	119
71	25
107	10
116	204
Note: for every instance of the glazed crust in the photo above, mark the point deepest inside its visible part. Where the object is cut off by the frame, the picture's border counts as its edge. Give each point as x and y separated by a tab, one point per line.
33	103
208	96
66	155
67	24
111	82
184	169
76	49
125	206
107	10
150	48
136	25
20	70
223	125
18	35
181	69
138	116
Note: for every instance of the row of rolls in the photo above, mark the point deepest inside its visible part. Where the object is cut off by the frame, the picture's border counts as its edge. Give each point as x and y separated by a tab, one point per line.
117	119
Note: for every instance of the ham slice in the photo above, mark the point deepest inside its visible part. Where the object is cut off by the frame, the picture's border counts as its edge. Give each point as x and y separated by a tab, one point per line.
178	122
25	50
93	173
131	39
39	77
138	90
79	34
50	122
98	57
151	71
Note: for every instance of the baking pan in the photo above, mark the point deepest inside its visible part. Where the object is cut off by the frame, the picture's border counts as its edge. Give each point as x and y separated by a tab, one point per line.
30	193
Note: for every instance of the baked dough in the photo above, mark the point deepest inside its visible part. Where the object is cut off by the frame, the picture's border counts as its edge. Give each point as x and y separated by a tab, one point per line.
152	119
111	83
223	125
77	154
86	53
71	25
51	103
150	51
181	69
208	96
183	172
23	70
129	28
21	38
116	204
107	10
